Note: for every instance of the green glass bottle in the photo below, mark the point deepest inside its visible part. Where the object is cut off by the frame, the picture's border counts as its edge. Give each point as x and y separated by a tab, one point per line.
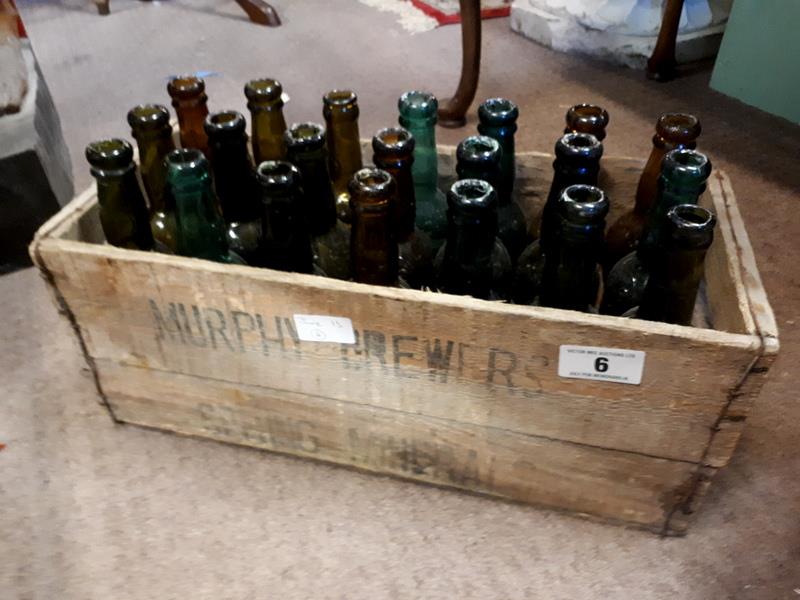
498	120
201	230
676	268
587	118
151	129
340	109
190	102
673	131
683	179
235	182
480	157
473	261
418	114
393	149
285	240
123	212
330	238
266	117
374	251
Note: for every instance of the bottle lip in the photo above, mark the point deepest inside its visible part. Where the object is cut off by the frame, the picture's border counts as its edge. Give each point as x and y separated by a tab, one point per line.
498	111
109	153
186	160
685	163
586	118
472	195
583	203
575	145
416	104
678	128
393	141
341	98
478	149
277	174
185	86
305	135
148	116
371	183
263	89
225	122
691	225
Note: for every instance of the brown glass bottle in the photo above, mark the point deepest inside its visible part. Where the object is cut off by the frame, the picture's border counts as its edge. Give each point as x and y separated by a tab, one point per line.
267	121
393	149
123	213
673	131
587	118
190	102
340	109
373	245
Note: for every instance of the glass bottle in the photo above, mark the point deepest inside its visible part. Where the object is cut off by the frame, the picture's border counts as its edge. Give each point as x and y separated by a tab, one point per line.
234	182
201	230
266	117
481	157
393	149
190	102
418	114
587	118
374	251
683	179
498	120
673	131
676	270
285	241
123	212
330	238
151	129
340	109
473	260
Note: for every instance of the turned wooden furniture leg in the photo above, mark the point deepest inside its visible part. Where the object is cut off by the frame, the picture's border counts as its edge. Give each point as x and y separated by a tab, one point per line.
451	113
661	65
102	7
260	12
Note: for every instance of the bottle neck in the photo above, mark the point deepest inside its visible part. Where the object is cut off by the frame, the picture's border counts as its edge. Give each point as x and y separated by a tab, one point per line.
671	291
269	126
234	179
344	150
670	194
317	191
153	150
565	173
647	189
373	247
191	117
467	264
426	167
200	227
570	266
285	239
404	209
504	134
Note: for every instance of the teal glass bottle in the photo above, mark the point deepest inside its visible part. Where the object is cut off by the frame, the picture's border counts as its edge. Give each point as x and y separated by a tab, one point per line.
481	157
473	261
418	114
683	179
330	238
498	119
201	230
285	240
234	182
123	212
676	267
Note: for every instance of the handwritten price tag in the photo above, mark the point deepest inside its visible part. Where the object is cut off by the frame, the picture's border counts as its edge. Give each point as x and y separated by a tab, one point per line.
322	328
604	364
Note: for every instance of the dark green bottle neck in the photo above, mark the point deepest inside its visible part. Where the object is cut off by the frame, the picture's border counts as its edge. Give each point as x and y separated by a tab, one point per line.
285	238
467	264
489	172
570	266
425	167
234	178
504	134
404	209
320	203
671	291
670	195
200	228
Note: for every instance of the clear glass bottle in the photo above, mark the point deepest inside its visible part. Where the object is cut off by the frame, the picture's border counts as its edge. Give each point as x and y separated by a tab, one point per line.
330	238
473	261
480	157
190	102
123	212
285	240
151	129
587	118
374	251
393	149
201	230
418	114
266	117
683	179
340	109
235	182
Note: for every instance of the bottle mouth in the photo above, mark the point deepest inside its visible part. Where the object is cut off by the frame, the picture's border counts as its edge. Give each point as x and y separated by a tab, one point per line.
372	182
472	194
148	116
687	163
225	122
691	226
588	118
340	98
498	111
263	89
678	127
305	135
418	105
185	86
393	140
186	160
583	203
111	153
478	149
277	173
583	145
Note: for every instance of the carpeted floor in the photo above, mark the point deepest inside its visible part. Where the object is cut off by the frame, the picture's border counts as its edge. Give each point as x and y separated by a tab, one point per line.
93	510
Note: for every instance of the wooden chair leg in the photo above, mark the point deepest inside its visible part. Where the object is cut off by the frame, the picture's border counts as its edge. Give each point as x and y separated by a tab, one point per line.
102	7
452	112
260	12
661	65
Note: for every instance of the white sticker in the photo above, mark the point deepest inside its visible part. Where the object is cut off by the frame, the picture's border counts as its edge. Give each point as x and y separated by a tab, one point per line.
606	364
321	328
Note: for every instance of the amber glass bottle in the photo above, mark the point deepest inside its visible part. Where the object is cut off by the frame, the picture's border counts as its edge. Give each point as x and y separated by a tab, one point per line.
393	149
123	213
374	251
340	109
587	118
330	238
190	102
673	131
234	182
267	121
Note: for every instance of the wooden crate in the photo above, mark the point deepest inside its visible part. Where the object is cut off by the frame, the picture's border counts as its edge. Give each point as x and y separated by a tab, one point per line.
443	389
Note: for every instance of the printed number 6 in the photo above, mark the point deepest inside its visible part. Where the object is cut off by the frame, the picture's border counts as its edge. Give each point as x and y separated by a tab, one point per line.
601	364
